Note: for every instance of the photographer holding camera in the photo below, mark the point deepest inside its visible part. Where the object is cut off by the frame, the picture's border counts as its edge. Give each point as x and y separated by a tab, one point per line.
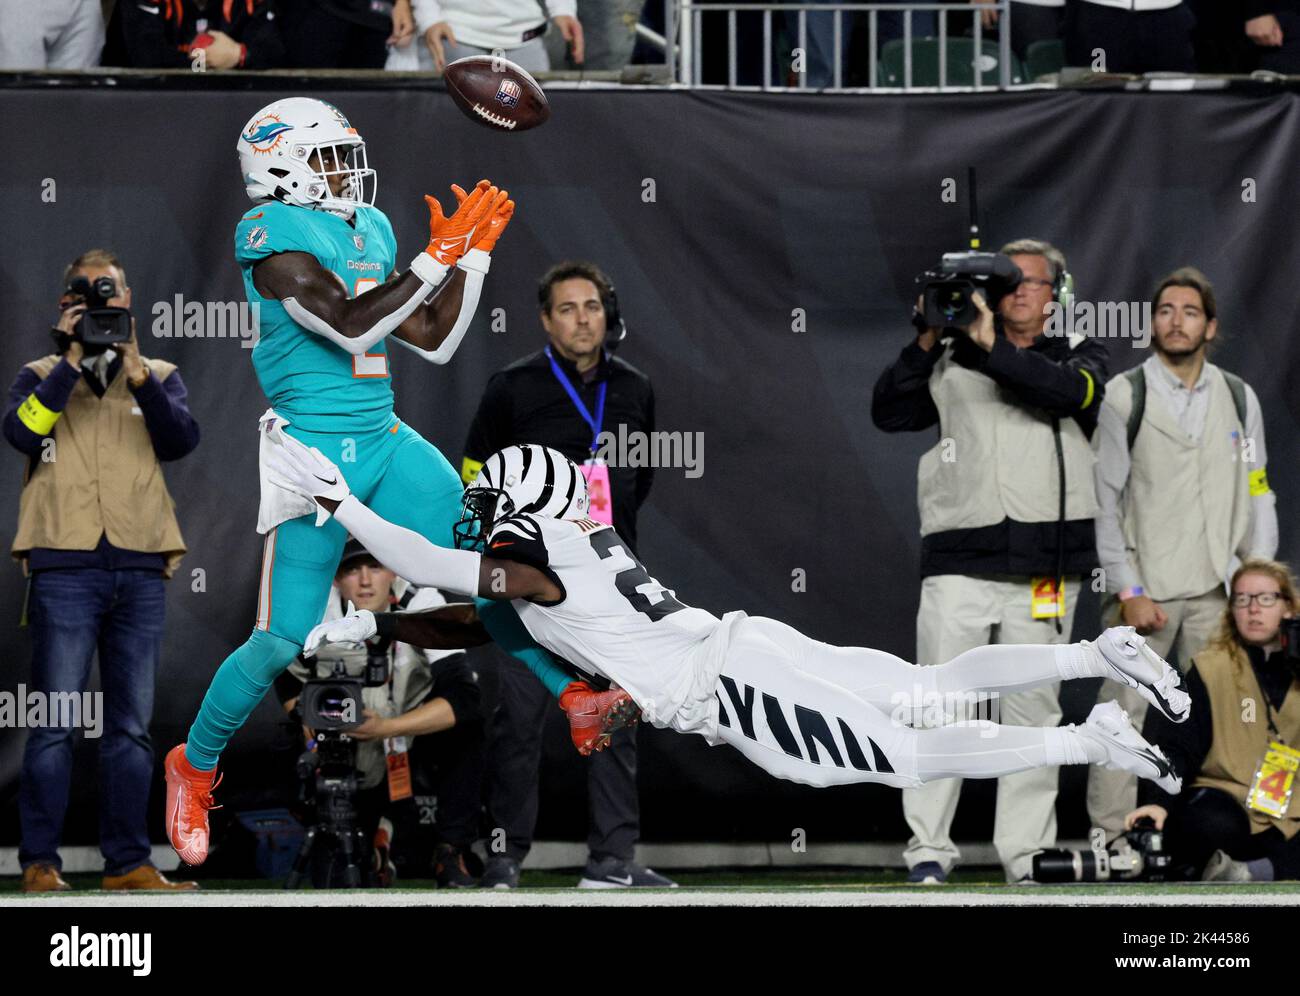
1006	502
1237	818
420	718
97	534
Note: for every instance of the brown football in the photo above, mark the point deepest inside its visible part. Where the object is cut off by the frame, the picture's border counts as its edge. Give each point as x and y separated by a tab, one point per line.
496	93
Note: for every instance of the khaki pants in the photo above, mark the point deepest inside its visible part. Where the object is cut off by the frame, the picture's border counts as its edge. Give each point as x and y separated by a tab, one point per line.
958	613
1112	795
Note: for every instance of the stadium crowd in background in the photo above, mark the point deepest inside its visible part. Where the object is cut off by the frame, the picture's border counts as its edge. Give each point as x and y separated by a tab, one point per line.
563	396
97	535
1142	36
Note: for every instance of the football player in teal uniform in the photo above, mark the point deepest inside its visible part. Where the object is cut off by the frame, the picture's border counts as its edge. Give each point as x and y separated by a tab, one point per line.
319	262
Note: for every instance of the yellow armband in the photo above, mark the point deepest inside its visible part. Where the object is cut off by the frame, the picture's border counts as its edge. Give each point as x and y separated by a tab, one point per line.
1092	389
36	416
469	470
1259	483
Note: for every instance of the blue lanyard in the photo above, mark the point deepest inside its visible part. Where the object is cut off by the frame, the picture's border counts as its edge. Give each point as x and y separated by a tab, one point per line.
583	410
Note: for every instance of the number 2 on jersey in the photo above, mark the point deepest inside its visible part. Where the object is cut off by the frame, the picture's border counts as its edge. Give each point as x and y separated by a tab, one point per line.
368	364
643	592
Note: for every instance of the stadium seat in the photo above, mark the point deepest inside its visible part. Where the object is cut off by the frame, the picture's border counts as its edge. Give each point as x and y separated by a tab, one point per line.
1042	58
925	63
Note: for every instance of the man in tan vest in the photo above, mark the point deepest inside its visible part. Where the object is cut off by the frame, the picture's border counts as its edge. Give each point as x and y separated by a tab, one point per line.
1183	494
97	534
1006	505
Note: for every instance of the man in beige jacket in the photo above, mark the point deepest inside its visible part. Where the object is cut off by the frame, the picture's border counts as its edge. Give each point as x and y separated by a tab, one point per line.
97	534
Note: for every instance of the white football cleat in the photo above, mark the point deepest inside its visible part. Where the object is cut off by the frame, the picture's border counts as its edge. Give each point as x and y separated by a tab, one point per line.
1127	659
1108	725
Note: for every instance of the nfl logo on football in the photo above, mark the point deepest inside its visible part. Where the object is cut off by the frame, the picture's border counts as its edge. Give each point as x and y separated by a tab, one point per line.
508	93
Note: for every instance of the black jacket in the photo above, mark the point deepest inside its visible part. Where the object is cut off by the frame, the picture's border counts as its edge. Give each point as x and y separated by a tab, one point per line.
156	34
524	403
1045	375
1187	743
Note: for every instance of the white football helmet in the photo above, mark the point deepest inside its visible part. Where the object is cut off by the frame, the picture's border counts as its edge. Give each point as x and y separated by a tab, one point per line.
277	146
528	478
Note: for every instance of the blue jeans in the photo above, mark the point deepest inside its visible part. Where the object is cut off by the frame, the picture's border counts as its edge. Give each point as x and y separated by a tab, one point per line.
72	613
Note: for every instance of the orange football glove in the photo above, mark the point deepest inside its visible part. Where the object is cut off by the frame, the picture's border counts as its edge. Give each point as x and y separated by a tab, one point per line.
449	238
487	233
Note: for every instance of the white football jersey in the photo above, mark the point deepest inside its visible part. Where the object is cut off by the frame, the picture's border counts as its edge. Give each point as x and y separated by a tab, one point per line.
614	620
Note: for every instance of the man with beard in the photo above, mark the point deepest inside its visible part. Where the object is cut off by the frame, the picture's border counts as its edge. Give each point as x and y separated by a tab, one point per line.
1183	493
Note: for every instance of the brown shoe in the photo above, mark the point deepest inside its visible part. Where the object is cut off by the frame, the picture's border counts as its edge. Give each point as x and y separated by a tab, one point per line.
146	877
43	878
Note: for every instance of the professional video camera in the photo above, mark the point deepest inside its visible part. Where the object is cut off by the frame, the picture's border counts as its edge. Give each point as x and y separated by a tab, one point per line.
100	325
1143	859
946	291
331	706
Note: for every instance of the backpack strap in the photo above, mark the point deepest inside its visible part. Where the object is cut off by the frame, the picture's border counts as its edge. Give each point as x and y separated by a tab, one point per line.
1137	380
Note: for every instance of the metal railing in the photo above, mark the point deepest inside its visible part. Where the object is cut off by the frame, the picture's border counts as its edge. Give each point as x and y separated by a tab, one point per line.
685	40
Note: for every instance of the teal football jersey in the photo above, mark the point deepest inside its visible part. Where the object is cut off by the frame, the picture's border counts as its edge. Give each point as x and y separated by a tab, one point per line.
311	381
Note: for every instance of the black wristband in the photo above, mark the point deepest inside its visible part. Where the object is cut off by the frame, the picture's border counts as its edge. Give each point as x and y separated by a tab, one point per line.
386	625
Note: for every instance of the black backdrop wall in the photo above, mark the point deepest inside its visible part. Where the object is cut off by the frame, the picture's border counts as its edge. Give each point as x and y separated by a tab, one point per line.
718	216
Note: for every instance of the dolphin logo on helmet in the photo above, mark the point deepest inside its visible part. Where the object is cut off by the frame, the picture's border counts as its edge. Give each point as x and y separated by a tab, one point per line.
291	149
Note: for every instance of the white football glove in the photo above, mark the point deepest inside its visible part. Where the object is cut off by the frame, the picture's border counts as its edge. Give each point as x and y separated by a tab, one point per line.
306	471
356	627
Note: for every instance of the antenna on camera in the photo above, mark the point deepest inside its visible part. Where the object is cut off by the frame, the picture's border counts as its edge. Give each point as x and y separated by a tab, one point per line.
974	209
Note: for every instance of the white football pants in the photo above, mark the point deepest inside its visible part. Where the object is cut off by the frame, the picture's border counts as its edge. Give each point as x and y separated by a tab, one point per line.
822	715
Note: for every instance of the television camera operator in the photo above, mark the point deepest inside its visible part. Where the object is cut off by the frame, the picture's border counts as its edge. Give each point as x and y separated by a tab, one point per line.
1006	502
420	727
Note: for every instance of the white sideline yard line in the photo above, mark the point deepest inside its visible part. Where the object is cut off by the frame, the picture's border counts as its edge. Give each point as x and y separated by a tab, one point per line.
552	854
900	897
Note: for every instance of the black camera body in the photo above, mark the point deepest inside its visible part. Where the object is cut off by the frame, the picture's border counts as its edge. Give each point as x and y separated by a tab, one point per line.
1144	859
946	290
100	325
334	703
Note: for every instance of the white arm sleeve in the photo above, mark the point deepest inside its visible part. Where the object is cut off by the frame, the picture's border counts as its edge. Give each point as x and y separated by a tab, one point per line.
423	266
407	553
475	263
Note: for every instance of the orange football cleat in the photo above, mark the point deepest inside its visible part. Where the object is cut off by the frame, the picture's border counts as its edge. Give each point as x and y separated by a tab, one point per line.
594	715
189	797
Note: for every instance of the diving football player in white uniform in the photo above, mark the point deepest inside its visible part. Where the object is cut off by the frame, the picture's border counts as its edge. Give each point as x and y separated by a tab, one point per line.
799	709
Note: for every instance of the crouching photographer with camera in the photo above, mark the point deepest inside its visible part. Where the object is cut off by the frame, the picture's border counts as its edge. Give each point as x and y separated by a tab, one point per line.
418	731
1006	501
1237	818
97	534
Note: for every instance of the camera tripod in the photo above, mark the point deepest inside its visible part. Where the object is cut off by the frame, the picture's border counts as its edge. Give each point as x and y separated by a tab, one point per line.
335	832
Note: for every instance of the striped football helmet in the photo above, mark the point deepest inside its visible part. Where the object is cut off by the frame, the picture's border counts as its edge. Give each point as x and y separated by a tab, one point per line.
528	478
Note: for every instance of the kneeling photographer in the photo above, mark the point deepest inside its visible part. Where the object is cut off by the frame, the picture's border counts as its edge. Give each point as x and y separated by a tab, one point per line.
1237	818
1006	500
418	733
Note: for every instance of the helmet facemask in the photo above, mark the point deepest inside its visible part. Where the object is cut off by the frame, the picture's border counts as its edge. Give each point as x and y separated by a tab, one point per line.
345	159
480	509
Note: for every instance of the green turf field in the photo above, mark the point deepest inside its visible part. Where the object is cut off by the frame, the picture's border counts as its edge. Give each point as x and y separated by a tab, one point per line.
890	885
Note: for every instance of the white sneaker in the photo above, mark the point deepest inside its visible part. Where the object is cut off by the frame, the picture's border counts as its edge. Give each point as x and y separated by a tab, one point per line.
1128	660
1108	725
1221	868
